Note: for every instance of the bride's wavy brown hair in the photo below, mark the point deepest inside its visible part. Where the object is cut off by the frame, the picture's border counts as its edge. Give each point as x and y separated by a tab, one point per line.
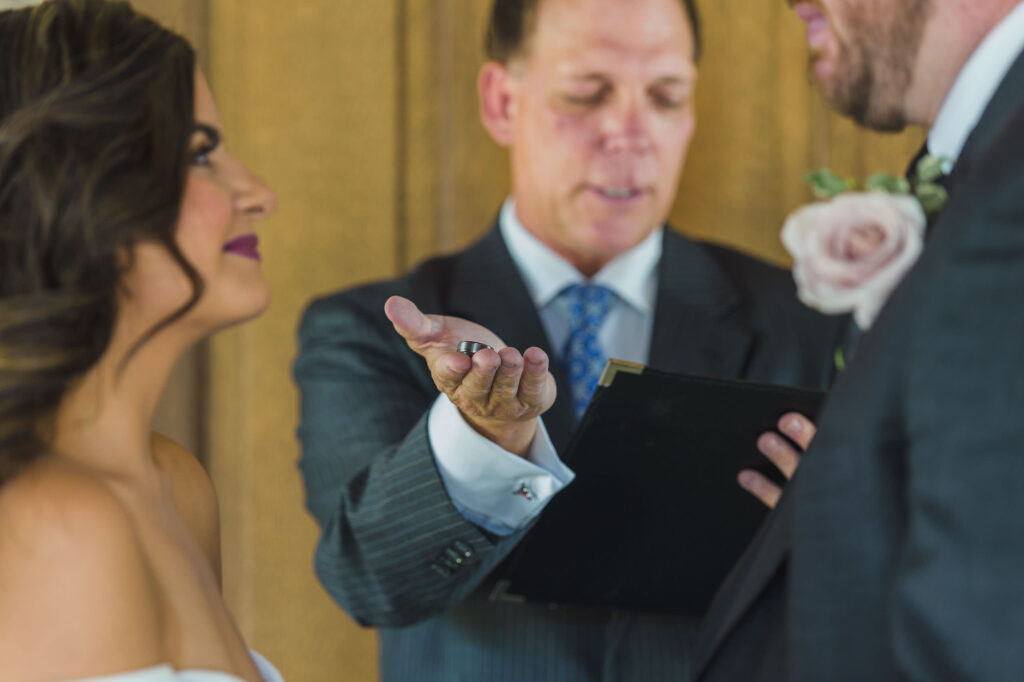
96	113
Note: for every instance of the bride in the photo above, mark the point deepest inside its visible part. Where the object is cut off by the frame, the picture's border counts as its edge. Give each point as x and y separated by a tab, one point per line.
126	234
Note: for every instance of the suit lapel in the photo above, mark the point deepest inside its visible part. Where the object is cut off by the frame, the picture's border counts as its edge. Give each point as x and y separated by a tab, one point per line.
1004	104
693	331
486	287
760	562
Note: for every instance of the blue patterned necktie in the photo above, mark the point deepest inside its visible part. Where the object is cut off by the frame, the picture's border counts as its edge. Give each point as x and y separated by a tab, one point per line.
583	356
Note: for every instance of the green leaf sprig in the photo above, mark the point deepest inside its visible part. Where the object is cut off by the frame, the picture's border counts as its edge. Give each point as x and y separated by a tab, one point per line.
839	358
923	185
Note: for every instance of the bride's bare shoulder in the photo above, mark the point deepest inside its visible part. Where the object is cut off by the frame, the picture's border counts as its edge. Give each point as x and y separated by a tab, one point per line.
56	506
73	578
194	495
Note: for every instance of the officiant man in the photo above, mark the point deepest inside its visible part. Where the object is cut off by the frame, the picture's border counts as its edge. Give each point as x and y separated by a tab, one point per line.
895	553
421	495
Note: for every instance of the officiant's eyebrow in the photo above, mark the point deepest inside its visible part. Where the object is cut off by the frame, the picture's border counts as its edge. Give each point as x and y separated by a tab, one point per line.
674	79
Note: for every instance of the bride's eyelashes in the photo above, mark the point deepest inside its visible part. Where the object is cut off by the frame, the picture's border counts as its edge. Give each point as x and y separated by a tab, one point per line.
205	140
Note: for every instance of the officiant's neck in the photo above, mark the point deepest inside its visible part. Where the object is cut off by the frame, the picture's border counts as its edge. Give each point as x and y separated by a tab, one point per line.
953	33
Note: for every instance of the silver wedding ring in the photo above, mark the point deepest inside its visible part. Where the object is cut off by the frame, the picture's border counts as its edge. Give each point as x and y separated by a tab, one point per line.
471	347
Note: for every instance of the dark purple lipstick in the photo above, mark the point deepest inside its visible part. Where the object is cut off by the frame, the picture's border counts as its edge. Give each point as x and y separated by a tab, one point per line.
247	246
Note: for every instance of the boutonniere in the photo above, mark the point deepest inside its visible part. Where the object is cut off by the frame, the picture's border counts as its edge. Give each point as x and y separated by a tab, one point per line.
851	250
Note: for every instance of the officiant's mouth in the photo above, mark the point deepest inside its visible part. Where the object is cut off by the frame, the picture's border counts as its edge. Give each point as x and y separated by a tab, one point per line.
618	195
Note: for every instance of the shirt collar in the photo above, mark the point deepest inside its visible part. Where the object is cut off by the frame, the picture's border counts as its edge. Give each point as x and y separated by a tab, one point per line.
631	275
975	86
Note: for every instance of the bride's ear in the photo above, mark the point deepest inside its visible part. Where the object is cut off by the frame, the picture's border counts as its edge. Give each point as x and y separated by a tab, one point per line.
497	89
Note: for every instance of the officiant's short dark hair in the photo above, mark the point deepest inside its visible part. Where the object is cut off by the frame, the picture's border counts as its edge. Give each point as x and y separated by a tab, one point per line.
512	23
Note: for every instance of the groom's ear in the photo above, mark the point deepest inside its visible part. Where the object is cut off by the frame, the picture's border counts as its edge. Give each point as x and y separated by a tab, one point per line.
497	88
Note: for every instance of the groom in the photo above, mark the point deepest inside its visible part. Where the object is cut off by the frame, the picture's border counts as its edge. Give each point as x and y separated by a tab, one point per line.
896	553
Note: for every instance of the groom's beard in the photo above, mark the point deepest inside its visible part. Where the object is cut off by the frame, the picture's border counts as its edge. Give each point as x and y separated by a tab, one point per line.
877	64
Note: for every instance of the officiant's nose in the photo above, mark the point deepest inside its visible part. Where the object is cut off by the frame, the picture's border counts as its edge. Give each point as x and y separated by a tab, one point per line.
625	126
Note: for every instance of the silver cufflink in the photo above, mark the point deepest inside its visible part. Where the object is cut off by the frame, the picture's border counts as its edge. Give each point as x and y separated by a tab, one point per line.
524	491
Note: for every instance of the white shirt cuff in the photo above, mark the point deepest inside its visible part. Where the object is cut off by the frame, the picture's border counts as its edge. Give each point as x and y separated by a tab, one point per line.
490	486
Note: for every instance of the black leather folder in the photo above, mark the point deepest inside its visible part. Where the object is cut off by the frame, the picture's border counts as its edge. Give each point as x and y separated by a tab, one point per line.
655	518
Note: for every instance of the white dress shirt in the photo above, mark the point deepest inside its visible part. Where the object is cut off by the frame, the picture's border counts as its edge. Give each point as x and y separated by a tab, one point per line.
974	88
485	482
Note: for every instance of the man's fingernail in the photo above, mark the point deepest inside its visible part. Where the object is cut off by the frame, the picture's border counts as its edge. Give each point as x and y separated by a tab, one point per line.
793	426
769	442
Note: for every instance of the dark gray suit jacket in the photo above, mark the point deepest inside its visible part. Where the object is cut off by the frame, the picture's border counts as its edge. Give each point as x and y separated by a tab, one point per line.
898	549
397	555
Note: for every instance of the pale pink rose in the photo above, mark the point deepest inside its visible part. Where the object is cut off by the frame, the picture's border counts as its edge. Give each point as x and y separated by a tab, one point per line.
851	251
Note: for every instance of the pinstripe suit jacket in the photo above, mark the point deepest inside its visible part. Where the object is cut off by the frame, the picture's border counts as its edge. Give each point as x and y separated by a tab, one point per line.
391	536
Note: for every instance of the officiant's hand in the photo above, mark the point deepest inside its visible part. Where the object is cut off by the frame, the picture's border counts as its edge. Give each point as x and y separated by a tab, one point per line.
500	392
783	455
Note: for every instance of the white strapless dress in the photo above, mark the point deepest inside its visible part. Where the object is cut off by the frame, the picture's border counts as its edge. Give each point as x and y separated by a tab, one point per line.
165	673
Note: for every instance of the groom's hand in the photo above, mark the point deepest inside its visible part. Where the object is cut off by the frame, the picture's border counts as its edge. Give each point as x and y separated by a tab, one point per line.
798	428
500	392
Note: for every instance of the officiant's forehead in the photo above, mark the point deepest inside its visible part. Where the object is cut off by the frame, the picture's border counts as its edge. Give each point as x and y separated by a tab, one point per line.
515	24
